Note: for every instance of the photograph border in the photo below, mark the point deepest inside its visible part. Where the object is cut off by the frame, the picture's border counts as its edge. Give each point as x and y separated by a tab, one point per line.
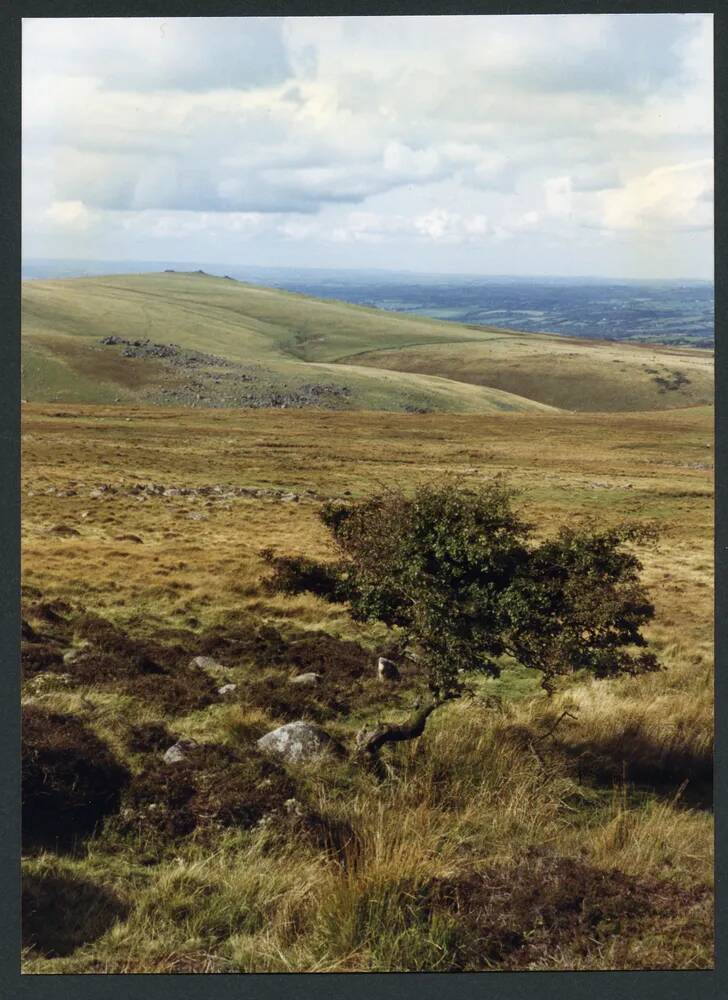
660	985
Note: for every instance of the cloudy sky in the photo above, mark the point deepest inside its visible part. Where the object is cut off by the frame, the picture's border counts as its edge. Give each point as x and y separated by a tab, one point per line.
565	145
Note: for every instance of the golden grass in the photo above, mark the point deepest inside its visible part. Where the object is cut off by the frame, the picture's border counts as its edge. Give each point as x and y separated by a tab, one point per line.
467	796
563	372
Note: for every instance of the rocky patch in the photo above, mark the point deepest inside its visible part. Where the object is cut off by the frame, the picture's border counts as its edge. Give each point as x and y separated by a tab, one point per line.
213	381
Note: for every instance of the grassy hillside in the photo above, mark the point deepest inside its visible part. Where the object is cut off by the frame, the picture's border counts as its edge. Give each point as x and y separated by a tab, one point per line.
142	536
284	349
565	372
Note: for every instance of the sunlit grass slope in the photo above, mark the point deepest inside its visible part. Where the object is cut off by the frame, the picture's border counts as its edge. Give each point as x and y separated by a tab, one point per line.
565	372
384	360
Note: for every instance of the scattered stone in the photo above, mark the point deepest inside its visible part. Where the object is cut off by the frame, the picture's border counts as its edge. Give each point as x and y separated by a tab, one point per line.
179	751
206	663
310	679
387	670
298	741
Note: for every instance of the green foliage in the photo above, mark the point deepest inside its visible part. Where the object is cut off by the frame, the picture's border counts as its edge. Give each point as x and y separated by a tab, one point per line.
457	571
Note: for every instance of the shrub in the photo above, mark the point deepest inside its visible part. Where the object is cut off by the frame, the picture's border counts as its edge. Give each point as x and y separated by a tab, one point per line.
38	656
213	788
70	779
458	573
148	737
62	911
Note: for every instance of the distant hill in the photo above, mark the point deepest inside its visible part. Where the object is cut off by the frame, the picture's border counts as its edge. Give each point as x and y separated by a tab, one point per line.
193	339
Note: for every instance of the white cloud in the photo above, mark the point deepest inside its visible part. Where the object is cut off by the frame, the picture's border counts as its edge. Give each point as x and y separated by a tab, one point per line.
68	215
428	132
667	198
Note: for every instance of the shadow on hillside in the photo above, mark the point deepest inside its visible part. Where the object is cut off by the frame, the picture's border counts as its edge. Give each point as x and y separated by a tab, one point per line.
61	912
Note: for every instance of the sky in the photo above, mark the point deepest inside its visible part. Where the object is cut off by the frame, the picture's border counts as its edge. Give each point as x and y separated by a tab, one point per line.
521	145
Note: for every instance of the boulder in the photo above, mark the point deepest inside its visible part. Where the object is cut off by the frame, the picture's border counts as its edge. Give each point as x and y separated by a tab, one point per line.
179	751
310	679
227	689
387	670
206	663
298	741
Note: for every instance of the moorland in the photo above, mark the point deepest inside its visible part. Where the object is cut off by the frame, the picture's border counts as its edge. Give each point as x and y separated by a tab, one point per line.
510	835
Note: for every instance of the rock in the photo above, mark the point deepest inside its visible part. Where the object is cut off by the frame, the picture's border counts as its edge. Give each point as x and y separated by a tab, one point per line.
206	663
289	498
227	689
387	670
305	680
179	751
128	538
298	741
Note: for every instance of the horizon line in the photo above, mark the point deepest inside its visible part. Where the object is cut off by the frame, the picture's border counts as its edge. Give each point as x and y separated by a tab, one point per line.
363	269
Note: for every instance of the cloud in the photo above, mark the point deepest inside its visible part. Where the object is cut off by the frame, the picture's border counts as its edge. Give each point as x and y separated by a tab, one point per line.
70	215
438	226
152	54
677	197
431	132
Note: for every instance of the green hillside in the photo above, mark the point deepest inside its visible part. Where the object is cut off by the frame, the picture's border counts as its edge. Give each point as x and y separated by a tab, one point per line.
234	344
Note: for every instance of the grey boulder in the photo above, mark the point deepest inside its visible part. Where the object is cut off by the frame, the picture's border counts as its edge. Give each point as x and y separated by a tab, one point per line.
179	751
206	663
298	741
310	679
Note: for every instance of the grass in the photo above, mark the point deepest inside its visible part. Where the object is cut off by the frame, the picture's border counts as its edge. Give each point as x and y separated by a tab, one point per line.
385	361
562	372
494	842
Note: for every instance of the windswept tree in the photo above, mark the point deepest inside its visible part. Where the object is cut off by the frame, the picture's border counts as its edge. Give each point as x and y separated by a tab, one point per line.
458	574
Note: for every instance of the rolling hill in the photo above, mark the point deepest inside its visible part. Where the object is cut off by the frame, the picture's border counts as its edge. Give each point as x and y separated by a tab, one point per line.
190	339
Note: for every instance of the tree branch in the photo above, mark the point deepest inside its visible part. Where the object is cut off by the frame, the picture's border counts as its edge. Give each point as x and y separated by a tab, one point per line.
372	742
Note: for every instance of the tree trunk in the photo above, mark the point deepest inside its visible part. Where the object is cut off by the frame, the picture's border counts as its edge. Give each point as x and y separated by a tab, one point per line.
371	743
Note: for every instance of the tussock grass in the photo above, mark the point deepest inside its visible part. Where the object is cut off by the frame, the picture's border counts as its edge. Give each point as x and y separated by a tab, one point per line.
488	844
655	729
